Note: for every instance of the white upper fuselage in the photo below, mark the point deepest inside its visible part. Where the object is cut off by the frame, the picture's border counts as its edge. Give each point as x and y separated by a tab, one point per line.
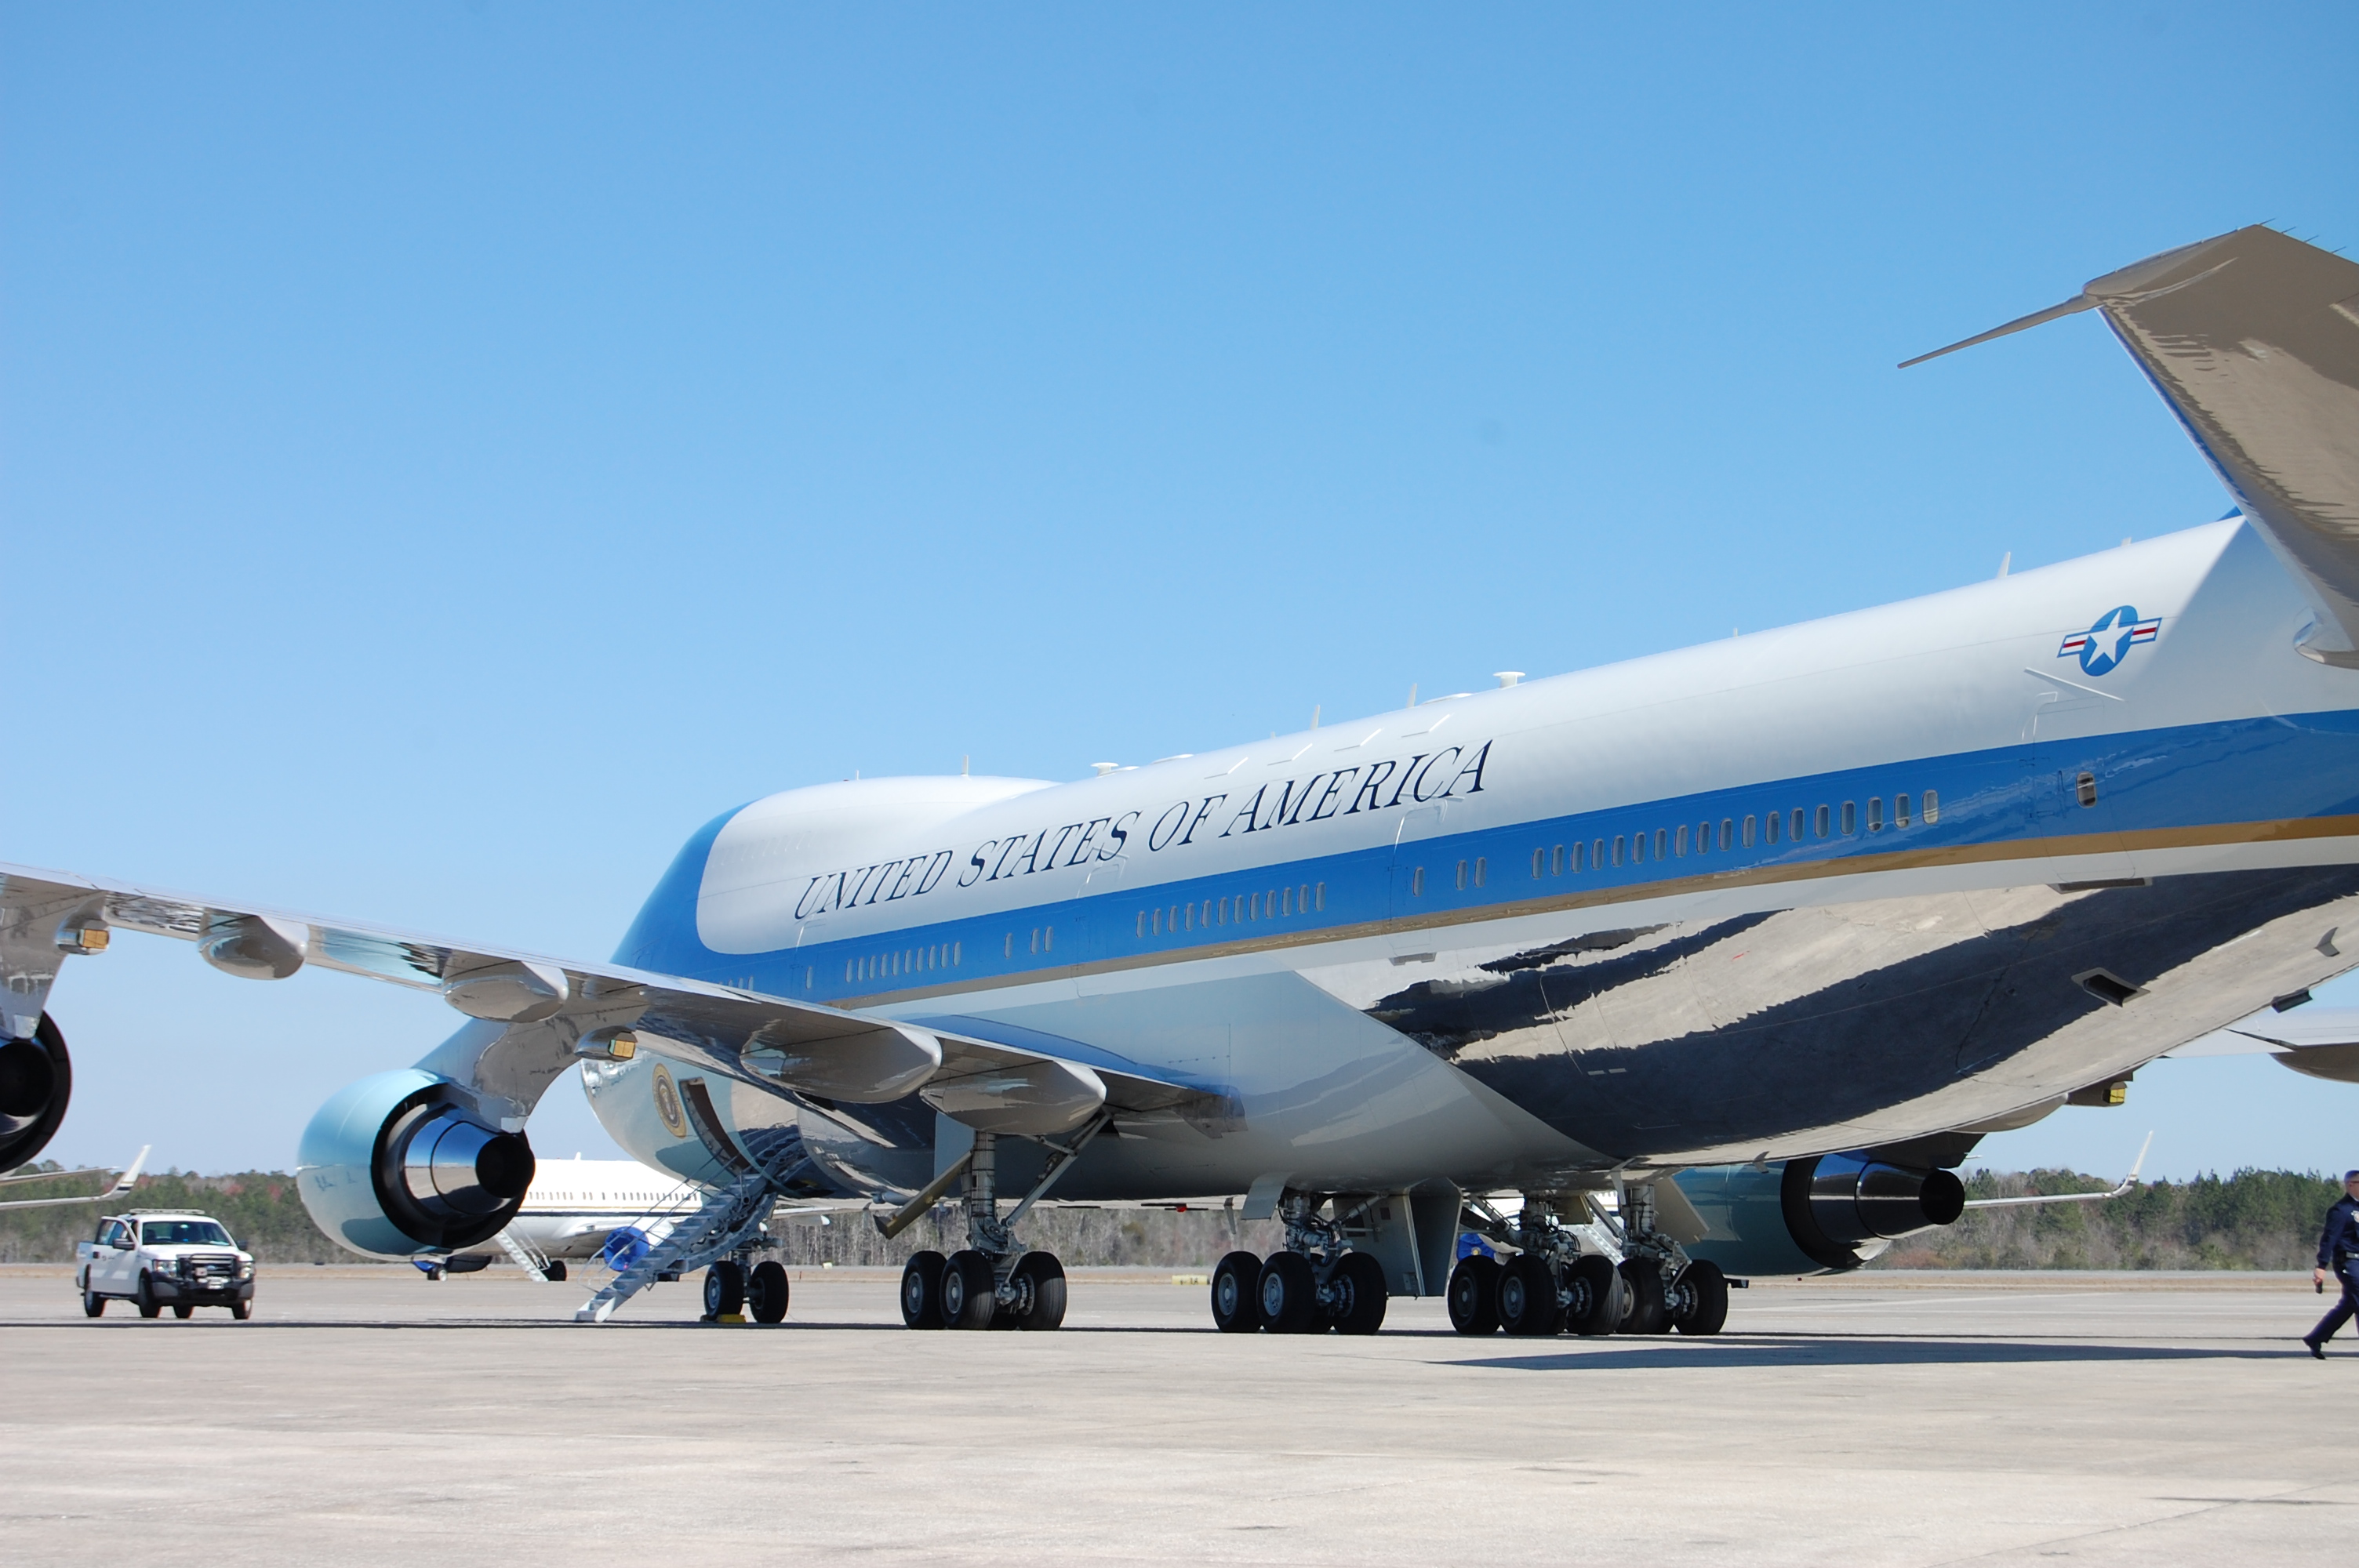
863	874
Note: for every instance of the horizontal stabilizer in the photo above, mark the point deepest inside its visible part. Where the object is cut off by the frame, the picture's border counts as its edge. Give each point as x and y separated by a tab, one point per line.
2253	337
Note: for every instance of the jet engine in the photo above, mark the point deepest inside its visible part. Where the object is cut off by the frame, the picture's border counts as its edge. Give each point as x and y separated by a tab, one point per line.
1829	1212
35	1082
404	1163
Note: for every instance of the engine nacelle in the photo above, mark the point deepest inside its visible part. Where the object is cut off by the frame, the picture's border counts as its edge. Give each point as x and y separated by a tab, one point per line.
401	1163
35	1082
1807	1217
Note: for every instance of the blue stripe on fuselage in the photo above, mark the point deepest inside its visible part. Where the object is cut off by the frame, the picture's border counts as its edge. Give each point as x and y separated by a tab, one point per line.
2258	770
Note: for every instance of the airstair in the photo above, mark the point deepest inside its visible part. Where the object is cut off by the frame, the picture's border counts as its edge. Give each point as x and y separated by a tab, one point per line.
527	1257
727	1221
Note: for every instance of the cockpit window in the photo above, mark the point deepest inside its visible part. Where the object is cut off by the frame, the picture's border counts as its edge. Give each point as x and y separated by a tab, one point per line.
182	1233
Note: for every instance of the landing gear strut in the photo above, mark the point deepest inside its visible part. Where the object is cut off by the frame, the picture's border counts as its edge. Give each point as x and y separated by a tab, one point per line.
992	1281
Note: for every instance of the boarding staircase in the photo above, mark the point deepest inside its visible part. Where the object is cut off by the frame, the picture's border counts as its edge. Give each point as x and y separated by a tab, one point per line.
527	1257
727	1221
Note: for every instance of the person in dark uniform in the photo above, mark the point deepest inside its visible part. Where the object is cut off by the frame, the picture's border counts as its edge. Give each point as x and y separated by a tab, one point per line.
2338	1249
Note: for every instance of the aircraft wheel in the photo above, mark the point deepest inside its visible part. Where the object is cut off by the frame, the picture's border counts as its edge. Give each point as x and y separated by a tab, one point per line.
1236	1294
1474	1295
1597	1296
1357	1294
1047	1278
1528	1301
1642	1283
555	1272
725	1289
921	1290
970	1291
92	1303
145	1299
766	1292
1287	1293
1698	1303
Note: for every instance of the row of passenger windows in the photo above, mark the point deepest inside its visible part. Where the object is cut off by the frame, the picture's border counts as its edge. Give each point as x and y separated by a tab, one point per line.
908	961
1631	848
1672	843
1269	905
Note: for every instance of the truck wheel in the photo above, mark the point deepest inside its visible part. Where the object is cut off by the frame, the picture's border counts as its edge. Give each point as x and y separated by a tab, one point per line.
184	1311
240	1310
145	1299
92	1303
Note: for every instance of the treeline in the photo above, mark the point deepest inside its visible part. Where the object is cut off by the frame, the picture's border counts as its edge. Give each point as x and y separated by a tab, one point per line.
264	1213
2252	1219
260	1208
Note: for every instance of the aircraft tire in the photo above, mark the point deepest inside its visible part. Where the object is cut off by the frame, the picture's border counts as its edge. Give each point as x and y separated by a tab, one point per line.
1236	1294
970	1291
921	1290
1597	1296
1698	1303
555	1272
725	1289
1360	1302
1048	1279
1527	1298
1474	1295
1642	1287
92	1303
1287	1293
767	1292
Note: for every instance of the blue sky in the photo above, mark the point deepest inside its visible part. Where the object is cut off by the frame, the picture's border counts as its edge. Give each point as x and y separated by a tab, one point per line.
449	452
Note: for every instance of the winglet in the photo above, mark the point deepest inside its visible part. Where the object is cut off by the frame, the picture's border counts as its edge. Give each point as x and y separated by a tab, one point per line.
130	1178
2139	1164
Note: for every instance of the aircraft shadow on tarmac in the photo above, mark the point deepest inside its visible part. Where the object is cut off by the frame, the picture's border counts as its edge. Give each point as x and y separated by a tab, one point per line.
1778	1351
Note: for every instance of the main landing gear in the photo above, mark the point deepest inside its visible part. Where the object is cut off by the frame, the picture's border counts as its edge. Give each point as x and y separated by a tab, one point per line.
993	1281
1318	1283
1577	1269
733	1292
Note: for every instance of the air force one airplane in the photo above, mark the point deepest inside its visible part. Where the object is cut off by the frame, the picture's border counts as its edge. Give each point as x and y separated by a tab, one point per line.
1753	940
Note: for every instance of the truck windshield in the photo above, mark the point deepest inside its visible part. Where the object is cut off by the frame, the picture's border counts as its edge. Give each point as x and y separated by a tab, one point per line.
182	1233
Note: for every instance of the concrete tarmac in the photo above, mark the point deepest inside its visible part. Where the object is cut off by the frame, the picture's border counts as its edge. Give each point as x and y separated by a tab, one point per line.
368	1416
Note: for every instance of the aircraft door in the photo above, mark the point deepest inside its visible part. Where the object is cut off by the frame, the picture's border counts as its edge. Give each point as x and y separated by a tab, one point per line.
1411	853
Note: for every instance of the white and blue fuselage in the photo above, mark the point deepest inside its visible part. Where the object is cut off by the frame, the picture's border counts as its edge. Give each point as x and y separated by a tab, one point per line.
1771	896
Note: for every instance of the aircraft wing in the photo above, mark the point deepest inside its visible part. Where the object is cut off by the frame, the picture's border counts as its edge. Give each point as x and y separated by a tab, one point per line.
2322	1042
124	1181
536	1014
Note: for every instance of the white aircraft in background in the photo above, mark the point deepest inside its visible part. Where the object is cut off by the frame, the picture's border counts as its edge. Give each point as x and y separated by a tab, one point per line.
616	1211
1759	937
577	1209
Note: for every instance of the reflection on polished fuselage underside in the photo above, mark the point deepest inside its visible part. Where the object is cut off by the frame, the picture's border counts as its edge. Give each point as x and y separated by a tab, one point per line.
1717	1039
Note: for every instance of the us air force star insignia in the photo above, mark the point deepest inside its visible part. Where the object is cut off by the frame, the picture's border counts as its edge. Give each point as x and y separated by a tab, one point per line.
2109	642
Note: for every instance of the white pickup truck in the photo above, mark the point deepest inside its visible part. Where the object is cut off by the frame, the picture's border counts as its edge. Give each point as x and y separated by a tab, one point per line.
164	1258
